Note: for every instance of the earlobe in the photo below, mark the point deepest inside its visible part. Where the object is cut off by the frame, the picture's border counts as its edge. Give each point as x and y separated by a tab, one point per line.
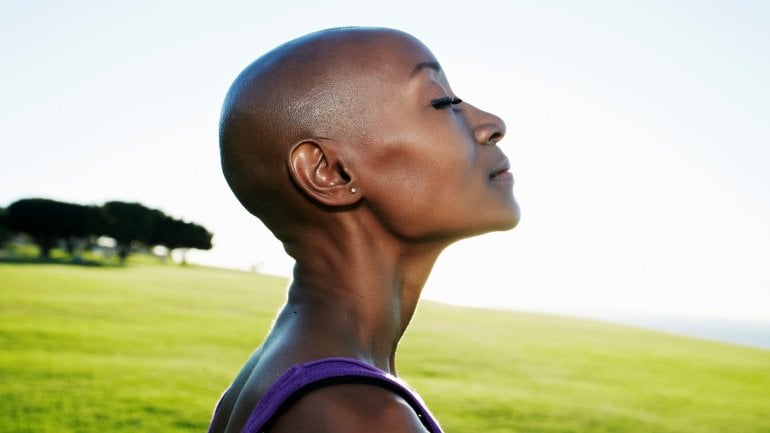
320	173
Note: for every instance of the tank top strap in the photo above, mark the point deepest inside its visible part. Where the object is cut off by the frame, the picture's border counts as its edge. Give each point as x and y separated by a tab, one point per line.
303	378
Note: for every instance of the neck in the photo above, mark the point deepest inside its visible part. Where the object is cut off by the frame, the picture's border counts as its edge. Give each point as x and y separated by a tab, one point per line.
357	302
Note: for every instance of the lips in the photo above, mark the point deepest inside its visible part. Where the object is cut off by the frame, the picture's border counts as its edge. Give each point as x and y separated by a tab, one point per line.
502	173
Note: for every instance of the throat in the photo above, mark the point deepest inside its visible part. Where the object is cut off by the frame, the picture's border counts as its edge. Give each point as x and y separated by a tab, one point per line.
346	323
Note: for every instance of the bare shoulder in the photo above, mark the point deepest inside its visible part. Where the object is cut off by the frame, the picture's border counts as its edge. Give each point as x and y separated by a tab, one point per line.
349	408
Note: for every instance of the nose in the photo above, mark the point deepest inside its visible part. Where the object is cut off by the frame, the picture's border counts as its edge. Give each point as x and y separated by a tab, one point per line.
487	127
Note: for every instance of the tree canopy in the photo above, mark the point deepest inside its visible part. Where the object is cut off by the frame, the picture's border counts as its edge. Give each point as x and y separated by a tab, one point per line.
131	225
48	221
5	231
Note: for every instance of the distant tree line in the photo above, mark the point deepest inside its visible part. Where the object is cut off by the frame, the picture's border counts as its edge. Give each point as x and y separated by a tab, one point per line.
131	225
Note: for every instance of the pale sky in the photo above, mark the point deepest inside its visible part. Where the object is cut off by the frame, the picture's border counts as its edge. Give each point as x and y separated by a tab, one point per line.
639	134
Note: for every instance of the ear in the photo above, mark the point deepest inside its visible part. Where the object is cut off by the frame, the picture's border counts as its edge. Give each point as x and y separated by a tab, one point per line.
317	169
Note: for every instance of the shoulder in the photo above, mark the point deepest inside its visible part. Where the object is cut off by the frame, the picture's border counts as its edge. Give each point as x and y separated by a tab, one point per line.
349	408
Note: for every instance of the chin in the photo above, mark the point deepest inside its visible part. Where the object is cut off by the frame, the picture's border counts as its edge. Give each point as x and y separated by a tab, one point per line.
493	220
510	219
515	217
499	224
501	219
507	225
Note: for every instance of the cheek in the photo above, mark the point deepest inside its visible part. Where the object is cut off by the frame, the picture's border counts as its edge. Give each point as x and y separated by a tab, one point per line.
417	175
416	194
420	162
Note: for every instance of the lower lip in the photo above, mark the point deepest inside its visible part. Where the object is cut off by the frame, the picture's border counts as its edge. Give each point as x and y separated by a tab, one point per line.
505	176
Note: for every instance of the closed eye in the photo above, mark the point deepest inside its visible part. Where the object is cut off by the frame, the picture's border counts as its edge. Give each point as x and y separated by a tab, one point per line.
444	102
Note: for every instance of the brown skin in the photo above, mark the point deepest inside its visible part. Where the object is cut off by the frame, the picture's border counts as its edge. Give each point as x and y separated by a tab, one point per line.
302	126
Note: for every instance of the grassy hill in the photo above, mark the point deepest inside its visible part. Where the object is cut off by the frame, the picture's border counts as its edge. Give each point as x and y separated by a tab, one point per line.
150	348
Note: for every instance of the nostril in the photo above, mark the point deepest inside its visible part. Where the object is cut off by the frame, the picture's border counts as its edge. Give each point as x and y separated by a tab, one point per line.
488	134
494	138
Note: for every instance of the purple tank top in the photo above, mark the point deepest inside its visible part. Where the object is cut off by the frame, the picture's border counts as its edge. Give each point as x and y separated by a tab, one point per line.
303	378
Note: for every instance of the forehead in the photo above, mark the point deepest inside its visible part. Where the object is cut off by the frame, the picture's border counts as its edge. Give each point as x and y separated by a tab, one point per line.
408	57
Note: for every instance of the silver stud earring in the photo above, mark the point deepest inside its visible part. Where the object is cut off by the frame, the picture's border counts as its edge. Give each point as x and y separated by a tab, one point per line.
353	190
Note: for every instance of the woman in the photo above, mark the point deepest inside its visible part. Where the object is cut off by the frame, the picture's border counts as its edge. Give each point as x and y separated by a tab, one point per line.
352	148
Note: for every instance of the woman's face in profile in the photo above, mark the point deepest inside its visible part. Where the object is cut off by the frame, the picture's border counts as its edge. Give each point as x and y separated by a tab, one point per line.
435	167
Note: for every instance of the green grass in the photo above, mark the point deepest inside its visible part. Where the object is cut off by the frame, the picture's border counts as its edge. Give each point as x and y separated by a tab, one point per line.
26	252
149	348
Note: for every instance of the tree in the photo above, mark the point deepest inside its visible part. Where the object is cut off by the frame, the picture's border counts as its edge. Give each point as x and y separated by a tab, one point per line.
48	221
194	236
5	231
176	234
169	230
156	231
78	224
129	224
200	238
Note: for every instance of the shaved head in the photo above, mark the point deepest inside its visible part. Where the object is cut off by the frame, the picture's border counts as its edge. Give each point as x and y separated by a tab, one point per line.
354	150
319	87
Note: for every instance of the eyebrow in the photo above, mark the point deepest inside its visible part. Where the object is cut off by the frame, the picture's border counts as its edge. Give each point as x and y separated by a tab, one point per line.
426	65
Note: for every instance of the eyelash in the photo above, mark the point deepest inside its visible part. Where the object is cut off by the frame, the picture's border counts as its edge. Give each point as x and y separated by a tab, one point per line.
444	102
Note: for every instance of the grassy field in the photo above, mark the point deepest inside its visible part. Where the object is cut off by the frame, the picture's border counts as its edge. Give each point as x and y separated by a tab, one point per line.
150	348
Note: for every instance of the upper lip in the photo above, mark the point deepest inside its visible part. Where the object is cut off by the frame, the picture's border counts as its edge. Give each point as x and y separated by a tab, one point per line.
502	167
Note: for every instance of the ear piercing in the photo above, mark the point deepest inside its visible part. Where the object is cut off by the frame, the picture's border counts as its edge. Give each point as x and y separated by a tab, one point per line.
353	190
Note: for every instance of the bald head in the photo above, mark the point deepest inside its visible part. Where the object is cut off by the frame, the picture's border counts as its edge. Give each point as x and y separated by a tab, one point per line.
320	86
